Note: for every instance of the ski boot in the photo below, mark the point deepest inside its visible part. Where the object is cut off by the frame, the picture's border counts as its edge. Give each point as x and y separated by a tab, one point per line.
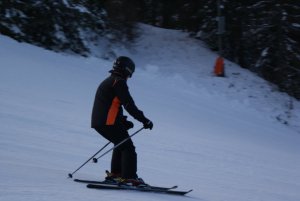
137	182
112	178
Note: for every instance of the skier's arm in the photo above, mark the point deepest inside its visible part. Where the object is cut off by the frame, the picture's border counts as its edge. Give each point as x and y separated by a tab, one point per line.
127	101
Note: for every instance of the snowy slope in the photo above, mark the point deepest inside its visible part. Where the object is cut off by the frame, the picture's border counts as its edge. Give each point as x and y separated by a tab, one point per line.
218	136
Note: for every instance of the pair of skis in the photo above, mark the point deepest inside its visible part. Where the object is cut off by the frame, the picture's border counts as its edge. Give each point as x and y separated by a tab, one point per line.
147	188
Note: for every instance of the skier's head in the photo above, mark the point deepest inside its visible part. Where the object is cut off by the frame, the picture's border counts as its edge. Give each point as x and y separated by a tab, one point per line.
123	66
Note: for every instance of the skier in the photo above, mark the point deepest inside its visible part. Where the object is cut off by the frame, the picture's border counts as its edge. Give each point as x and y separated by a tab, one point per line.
108	120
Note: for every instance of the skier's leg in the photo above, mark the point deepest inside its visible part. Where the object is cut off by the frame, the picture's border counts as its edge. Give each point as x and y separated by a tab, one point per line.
129	162
110	133
124	157
116	165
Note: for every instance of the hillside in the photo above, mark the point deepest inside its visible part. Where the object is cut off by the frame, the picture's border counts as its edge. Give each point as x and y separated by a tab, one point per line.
218	136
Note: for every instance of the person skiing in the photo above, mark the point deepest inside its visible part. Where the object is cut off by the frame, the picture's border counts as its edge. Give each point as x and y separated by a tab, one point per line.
108	120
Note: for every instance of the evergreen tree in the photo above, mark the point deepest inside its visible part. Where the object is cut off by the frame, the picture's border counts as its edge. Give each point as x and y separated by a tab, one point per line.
262	36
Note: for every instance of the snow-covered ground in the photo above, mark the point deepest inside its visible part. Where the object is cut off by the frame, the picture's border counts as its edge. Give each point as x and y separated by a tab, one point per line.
218	136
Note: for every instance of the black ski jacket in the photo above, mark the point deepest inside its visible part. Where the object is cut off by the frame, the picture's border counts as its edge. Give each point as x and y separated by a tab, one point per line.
111	95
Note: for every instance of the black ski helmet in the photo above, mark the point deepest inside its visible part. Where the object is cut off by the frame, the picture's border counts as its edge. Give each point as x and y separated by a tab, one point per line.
124	65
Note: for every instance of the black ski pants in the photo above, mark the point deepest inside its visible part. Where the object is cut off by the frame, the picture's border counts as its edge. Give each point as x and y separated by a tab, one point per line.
124	157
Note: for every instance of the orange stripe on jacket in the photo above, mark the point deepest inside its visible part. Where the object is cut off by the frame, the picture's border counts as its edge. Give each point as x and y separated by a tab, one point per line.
113	111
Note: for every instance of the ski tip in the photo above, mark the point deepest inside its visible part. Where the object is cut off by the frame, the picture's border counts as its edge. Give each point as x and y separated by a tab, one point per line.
189	191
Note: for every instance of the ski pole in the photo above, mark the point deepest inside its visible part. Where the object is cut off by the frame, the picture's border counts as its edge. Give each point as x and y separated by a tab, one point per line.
96	159
71	174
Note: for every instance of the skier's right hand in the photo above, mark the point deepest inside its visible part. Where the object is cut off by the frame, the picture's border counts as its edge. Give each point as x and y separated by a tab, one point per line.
128	125
148	125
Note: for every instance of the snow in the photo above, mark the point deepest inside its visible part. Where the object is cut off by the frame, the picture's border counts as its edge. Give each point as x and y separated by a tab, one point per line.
297	25
218	136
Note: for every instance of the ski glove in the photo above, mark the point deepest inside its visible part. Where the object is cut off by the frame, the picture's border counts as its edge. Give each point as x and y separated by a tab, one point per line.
148	125
128	125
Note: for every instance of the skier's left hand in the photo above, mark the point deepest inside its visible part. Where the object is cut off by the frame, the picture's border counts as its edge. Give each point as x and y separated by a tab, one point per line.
148	125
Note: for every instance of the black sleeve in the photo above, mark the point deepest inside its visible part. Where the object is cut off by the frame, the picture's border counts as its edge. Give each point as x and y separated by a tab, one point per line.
124	96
